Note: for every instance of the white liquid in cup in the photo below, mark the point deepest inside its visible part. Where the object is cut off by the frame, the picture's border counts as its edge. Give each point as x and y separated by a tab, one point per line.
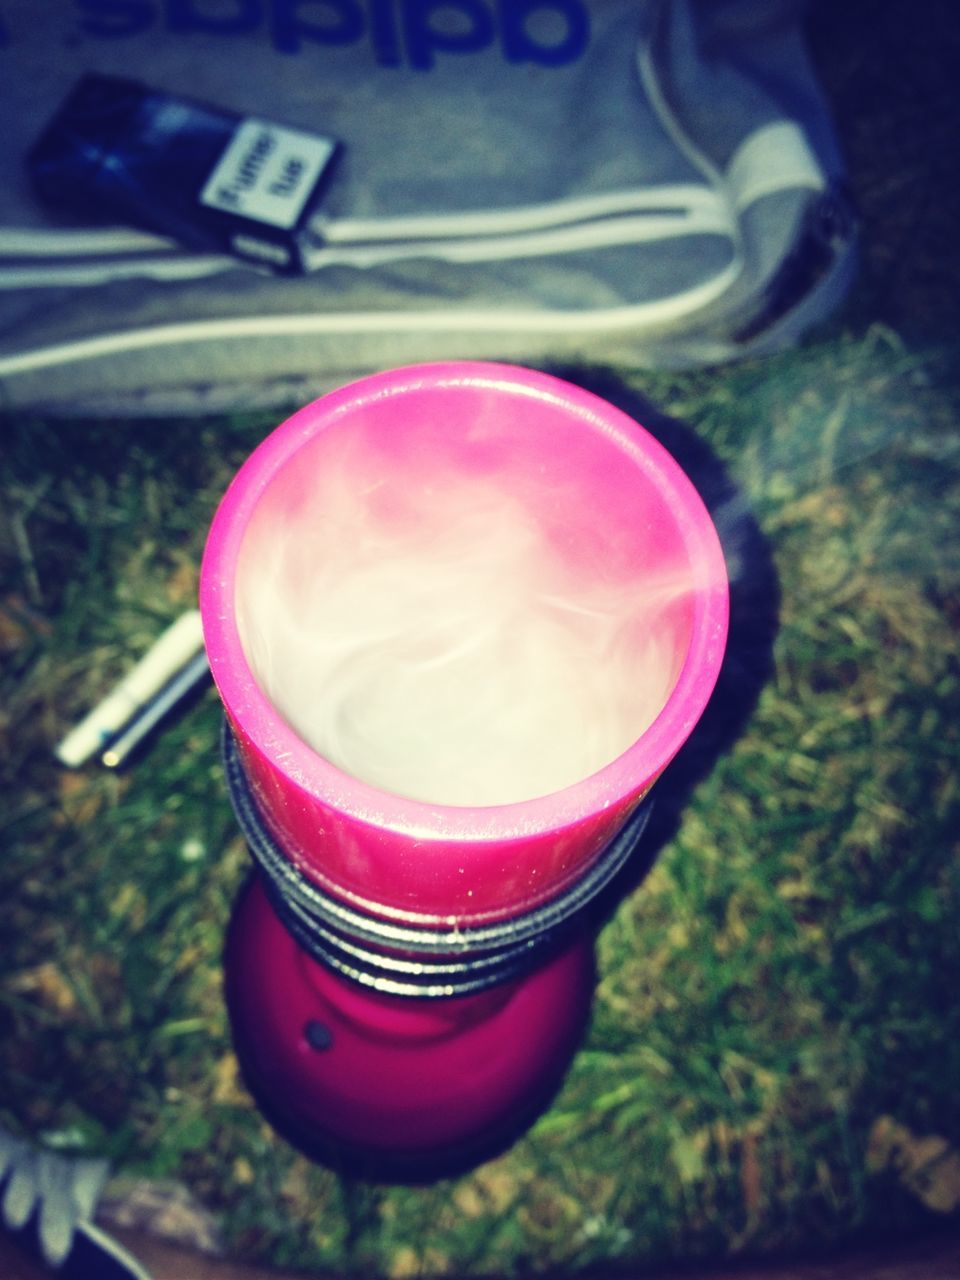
429	635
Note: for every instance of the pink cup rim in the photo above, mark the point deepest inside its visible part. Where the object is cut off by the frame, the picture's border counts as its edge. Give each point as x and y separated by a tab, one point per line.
254	716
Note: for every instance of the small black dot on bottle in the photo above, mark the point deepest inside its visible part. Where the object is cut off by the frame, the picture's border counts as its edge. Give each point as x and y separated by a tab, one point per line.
318	1036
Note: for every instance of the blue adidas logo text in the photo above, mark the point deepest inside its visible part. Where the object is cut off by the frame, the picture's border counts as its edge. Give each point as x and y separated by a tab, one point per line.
411	33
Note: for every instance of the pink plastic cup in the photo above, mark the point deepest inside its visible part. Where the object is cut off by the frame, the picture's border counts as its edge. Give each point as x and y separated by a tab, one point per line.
597	475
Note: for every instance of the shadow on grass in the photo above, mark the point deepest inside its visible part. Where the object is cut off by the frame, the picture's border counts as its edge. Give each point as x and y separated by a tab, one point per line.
754	613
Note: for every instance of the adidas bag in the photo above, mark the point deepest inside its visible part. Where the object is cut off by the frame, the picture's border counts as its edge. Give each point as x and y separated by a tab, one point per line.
652	182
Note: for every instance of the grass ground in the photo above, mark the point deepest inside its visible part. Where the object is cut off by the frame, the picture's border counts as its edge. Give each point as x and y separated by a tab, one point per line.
775	1043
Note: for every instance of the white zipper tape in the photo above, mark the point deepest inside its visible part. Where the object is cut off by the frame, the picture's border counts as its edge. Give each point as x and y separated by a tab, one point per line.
493	320
81	274
610	232
687	197
776	157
